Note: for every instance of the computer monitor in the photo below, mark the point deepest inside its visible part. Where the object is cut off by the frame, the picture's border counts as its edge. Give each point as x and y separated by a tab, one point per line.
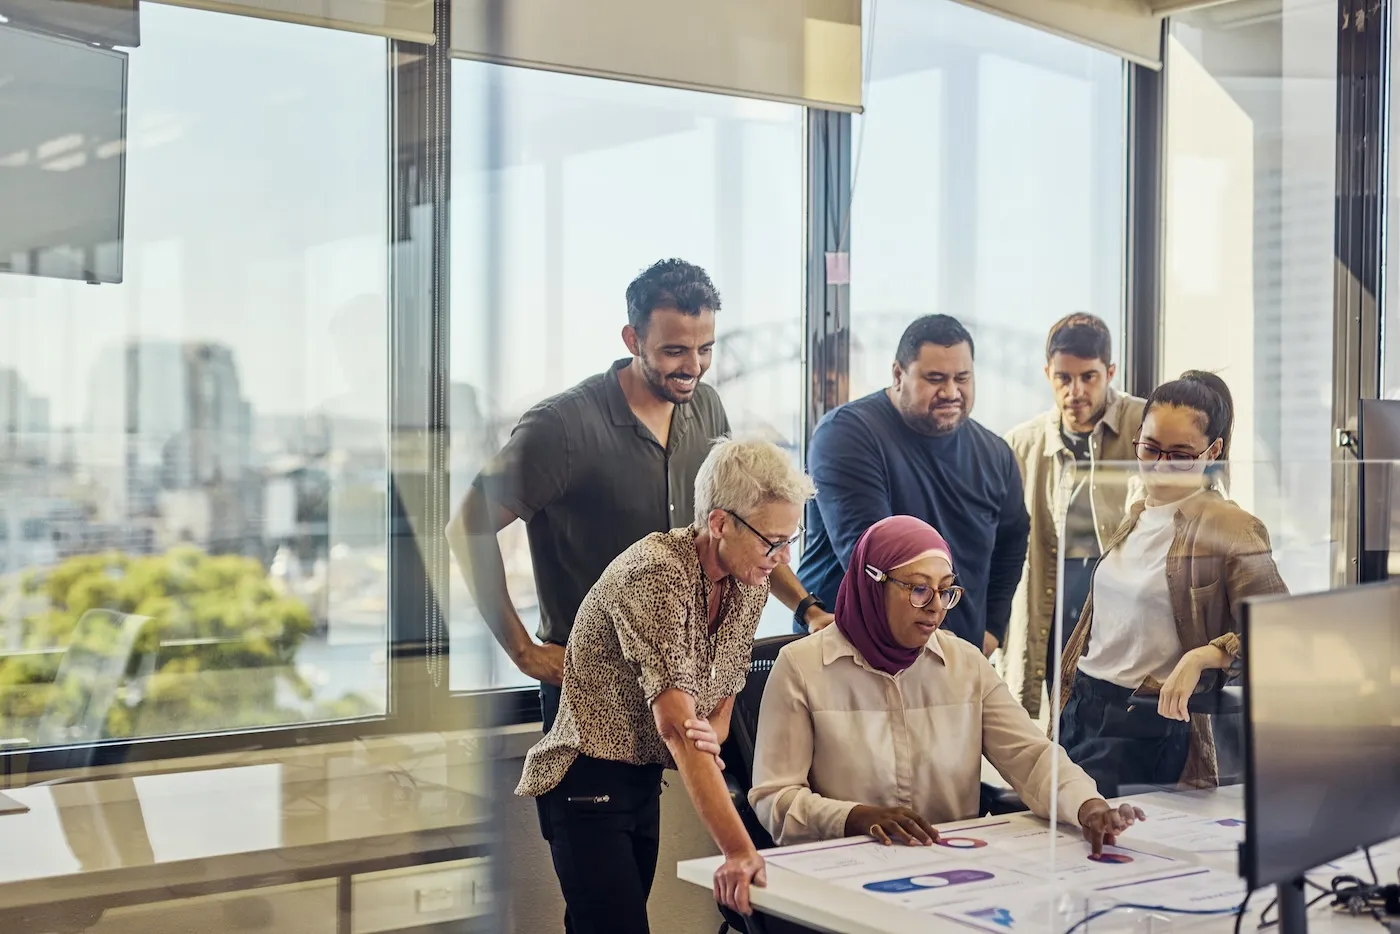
62	157
106	23
1380	487
1322	732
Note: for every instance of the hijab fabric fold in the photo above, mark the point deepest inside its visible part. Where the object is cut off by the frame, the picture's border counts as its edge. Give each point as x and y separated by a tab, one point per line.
860	603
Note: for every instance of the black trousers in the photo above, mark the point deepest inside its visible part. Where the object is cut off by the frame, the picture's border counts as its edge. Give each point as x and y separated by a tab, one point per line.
550	695
1074	591
1124	751
603	826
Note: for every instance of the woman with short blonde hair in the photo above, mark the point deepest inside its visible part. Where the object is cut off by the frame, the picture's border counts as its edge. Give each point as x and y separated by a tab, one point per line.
659	649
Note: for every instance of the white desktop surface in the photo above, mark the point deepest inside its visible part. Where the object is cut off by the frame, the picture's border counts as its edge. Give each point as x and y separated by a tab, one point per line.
831	908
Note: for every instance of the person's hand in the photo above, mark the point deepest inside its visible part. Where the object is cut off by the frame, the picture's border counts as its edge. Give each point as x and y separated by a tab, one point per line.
702	734
1102	823
890	825
990	644
543	663
733	878
1177	691
818	619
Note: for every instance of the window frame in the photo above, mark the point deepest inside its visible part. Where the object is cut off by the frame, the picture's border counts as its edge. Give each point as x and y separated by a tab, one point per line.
419	137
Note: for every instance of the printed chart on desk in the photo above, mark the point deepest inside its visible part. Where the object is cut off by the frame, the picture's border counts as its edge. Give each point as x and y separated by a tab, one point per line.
1046	908
1199	836
971	862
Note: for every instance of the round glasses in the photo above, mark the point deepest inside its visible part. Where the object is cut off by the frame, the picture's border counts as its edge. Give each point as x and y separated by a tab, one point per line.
1175	460
920	595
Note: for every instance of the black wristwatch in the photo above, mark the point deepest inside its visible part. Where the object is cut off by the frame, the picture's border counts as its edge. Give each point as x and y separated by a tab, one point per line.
800	614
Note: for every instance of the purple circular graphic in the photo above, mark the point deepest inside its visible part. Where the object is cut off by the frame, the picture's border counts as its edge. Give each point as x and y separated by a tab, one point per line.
961	843
1111	858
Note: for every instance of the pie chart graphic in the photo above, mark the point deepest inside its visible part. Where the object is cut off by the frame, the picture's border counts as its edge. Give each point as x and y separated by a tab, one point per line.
1111	858
933	880
962	843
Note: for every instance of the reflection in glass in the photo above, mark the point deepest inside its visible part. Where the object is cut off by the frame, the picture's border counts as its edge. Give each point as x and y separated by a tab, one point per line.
1250	167
596	180
989	186
204	443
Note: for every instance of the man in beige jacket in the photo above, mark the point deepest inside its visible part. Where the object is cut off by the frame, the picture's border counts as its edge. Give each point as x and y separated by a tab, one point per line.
1058	451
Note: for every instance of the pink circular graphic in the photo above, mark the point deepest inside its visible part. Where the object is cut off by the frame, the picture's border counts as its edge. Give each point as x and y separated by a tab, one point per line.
961	843
1111	858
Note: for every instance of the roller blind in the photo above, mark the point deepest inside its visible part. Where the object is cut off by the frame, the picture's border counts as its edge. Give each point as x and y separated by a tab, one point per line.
409	20
800	51
1128	28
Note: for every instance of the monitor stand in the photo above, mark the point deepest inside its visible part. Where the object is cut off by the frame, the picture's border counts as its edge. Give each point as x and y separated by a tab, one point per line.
1292	907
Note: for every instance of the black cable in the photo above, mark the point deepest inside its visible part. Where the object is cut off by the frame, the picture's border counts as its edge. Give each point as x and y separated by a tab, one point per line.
1265	924
1244	909
1348	892
1264	921
1375	879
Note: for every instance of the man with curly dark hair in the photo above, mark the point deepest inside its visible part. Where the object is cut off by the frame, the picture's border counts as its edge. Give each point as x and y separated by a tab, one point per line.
596	468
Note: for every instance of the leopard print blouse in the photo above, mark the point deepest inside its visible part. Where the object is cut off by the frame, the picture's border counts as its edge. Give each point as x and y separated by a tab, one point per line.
642	630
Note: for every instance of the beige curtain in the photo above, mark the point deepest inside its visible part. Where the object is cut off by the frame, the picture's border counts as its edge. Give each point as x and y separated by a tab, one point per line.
799	51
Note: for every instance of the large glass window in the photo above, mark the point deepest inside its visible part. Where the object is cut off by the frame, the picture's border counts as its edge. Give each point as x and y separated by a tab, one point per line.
1390	312
989	185
203	444
1251	179
593	181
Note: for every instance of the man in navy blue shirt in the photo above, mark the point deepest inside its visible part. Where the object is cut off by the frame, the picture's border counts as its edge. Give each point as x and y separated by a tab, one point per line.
913	449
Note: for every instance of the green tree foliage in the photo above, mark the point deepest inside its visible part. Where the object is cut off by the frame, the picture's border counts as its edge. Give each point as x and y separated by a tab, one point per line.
221	642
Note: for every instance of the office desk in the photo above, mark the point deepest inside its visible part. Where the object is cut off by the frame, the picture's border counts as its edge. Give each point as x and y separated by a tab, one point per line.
89	846
822	906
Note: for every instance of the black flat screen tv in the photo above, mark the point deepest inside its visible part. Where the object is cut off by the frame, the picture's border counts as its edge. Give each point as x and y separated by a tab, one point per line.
99	22
62	157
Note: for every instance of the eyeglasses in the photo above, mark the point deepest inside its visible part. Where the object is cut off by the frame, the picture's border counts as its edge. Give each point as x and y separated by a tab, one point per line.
774	545
920	595
1176	460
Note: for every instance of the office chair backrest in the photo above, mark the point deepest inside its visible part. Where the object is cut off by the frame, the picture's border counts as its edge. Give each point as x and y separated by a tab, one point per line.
743	724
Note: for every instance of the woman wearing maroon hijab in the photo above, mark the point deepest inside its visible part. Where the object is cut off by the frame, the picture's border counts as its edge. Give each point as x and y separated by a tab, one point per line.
878	725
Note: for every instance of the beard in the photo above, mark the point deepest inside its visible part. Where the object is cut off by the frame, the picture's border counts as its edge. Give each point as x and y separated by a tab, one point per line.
1093	418
926	422
663	386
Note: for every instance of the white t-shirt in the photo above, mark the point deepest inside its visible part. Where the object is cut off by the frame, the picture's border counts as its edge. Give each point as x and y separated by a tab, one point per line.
1134	632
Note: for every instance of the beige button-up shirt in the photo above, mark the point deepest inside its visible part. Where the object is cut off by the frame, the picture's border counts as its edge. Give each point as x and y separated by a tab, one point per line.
1049	474
833	732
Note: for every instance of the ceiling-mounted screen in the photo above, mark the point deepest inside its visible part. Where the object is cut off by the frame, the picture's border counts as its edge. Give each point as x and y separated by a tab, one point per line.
101	22
62	157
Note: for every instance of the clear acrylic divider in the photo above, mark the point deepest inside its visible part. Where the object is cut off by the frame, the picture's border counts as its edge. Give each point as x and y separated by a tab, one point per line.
1185	544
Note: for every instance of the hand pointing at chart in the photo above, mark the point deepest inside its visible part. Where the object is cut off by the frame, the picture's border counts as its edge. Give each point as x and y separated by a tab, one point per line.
1102	823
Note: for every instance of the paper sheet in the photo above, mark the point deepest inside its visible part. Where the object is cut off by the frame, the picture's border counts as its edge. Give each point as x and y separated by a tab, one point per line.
1050	910
1188	832
1036	910
968	862
1189	888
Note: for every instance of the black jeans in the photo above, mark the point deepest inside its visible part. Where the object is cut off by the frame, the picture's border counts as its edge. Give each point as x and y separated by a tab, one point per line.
1124	751
603	826
550	695
1074	592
